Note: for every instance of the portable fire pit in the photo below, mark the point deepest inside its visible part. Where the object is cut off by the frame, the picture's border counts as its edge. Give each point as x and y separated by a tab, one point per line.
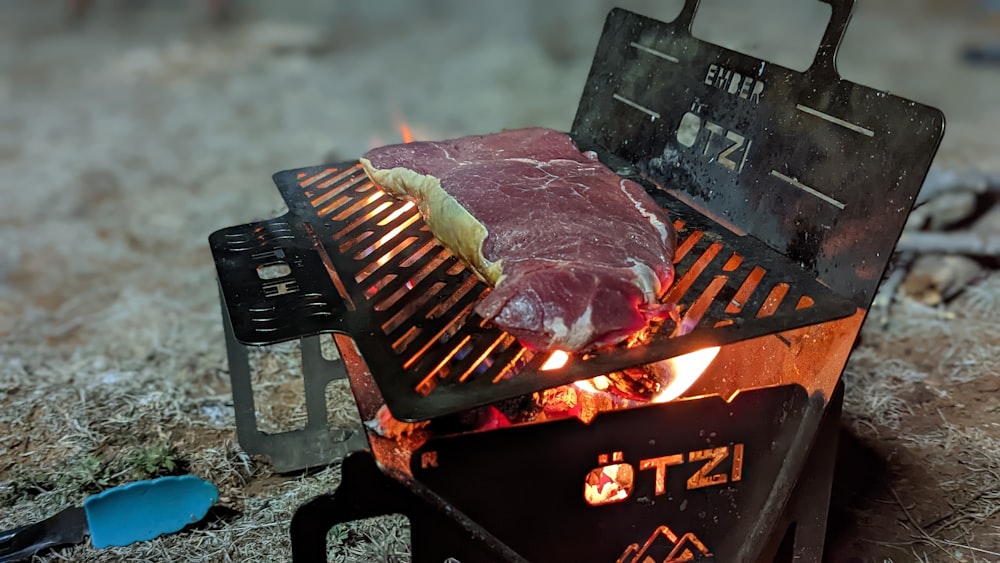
788	190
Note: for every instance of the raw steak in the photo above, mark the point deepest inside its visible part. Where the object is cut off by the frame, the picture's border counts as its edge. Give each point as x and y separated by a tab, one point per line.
577	255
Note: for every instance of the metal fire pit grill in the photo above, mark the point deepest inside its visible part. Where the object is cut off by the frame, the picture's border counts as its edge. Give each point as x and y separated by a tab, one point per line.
788	190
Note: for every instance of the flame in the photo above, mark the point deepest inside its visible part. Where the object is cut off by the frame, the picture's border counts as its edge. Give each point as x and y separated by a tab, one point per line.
557	359
686	369
679	373
404	131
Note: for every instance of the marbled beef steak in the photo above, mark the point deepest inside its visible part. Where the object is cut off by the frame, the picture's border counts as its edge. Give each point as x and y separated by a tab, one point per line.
577	256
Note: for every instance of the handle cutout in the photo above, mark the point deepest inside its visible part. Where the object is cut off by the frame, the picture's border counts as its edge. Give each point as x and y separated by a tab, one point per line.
792	33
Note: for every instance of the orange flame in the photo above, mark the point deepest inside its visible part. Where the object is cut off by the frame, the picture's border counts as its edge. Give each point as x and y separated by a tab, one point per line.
686	369
404	131
680	372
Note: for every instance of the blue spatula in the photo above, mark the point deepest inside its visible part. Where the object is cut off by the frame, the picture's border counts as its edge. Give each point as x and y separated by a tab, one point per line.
120	516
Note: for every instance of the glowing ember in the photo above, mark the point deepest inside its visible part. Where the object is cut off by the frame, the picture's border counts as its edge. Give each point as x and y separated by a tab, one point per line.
392	216
389	236
608	484
392	234
556	360
595	385
685	370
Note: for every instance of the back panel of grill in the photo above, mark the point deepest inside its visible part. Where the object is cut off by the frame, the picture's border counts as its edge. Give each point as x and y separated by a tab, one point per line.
821	169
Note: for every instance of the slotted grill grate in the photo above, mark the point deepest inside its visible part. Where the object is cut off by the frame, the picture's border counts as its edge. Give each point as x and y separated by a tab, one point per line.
363	263
420	295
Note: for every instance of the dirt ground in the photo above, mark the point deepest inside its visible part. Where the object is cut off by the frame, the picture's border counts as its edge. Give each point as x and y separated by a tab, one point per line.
128	135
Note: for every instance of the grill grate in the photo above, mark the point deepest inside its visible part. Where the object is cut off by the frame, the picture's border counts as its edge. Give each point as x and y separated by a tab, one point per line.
358	261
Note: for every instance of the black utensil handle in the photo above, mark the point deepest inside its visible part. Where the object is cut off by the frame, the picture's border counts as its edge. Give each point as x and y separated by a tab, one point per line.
68	527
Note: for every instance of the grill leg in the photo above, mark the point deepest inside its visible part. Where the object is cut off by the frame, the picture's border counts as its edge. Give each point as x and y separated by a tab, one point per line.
802	534
311	446
366	492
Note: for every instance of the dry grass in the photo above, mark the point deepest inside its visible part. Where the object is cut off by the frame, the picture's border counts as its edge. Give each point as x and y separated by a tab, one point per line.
73	441
923	387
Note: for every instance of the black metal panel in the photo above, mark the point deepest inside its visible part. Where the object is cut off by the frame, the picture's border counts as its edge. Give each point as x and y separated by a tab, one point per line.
526	484
360	262
279	309
821	169
438	532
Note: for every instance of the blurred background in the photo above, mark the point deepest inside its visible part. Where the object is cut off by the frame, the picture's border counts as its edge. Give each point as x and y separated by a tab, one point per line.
131	129
196	87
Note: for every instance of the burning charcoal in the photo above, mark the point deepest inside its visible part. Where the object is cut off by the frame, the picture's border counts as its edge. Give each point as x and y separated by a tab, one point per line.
637	384
472	420
643	383
591	404
561	401
385	425
520	409
580	399
610	483
490	418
